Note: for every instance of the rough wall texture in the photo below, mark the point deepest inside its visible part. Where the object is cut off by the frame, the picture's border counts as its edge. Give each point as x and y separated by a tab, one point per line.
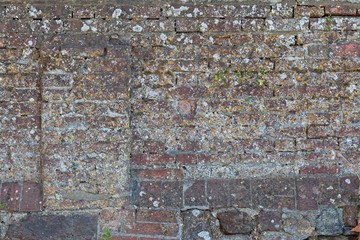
169	120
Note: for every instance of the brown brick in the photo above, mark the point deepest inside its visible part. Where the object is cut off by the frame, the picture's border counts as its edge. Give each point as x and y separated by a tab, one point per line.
349	187
340	10
187	107
270	220
307	190
273	193
235	222
217	192
350	215
172	194
164	229
328	191
31	197
160	174
186	159
309	11
319	170
156	216
10	195
347	50
149	194
194	193
239	193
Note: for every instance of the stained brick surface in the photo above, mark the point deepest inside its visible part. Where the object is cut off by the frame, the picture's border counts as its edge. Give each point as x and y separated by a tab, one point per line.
160	119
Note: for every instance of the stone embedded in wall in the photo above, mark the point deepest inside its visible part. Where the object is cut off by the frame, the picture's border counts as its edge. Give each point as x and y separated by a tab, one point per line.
39	226
236	222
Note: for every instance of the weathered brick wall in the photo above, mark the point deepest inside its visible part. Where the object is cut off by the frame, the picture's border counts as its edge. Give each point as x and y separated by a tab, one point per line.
169	120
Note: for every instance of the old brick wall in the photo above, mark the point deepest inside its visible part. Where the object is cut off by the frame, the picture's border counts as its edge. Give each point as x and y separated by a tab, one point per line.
179	120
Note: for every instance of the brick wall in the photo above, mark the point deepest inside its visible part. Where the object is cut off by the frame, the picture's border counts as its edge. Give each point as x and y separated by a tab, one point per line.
169	120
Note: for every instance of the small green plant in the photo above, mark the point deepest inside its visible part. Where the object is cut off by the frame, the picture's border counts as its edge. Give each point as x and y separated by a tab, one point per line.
261	77
328	20
106	234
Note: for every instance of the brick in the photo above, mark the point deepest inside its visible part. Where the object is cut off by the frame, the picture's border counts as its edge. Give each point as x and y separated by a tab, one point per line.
187	107
215	193
265	194
349	215
307	193
37	226
320	131
285	145
156	216
253	25
159	174
172	194
194	193
186	159
270	220
236	222
319	170
164	229
328	191
149	194
10	195
282	10
309	11
340	10
349	50
349	188
286	24
335	23
239	193
31	197
152	159
196	221
123	238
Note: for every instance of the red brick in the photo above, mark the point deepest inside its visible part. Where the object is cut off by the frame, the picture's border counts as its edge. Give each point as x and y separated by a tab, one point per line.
156	216
347	50
149	194
152	159
186	159
340	10
319	170
349	187
239	193
172	194
160	174
164	229
31	197
274	193
217	192
194	193
270	220
328	191
123	238
153	147
236	222
307	190
10	195
187	107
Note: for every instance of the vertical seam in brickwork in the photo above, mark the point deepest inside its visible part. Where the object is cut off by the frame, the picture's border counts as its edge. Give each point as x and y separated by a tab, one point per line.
295	193
40	110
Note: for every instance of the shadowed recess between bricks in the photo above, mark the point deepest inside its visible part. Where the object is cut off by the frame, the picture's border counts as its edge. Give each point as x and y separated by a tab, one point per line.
194	120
